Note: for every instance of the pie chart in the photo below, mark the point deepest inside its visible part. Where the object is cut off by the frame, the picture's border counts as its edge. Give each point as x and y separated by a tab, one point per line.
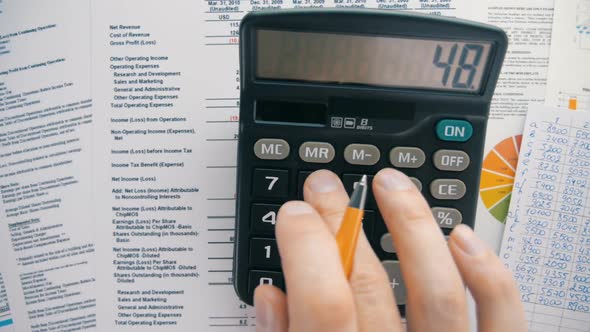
497	177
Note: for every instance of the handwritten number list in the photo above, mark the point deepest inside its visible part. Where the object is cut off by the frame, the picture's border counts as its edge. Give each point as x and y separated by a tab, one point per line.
547	240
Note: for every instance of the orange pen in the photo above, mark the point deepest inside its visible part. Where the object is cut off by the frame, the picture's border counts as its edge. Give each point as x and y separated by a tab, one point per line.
352	222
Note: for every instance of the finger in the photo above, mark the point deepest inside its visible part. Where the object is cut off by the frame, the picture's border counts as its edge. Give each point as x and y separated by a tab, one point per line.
319	298
436	296
271	309
498	301
375	306
325	192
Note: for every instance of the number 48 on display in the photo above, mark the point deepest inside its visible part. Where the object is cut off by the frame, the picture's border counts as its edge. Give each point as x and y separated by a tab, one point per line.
460	80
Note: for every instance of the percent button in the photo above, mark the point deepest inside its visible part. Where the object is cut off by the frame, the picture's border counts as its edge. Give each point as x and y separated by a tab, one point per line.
447	217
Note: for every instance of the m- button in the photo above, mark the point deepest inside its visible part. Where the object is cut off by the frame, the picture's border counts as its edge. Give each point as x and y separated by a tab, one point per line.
362	154
406	157
448	189
271	149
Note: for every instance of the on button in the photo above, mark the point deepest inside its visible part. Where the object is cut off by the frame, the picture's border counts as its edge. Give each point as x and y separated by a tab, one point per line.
454	130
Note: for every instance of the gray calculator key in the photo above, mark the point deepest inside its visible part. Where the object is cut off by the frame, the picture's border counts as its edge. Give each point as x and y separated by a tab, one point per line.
447	189
447	217
387	243
451	160
271	149
394	274
407	157
417	183
316	152
362	154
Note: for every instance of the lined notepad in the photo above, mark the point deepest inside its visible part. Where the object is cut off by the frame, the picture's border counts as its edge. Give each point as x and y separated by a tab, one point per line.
546	242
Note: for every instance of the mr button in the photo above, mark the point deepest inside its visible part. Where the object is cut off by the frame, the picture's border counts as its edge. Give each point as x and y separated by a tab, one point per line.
316	152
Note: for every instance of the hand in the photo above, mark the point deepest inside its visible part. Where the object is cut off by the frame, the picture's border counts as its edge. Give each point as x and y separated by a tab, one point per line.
321	299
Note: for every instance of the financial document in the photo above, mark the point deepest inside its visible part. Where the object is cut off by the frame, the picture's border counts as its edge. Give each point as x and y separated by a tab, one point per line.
568	81
166	82
47	273
522	83
153	204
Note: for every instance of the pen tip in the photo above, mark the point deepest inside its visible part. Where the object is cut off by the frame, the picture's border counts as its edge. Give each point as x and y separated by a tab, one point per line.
359	193
364	180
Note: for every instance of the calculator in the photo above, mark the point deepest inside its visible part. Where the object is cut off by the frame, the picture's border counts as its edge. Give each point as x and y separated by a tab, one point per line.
356	91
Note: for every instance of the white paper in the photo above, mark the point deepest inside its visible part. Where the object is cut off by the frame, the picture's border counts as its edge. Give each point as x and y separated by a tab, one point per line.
547	239
194	46
522	83
45	121
197	43
568	82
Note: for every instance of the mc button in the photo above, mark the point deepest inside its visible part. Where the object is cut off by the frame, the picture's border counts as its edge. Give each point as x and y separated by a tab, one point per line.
454	130
271	149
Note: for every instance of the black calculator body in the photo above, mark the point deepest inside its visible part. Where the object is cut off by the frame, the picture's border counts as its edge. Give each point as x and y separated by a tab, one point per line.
355	92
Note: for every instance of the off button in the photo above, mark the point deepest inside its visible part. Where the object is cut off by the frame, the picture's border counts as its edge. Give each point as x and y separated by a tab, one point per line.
454	130
451	160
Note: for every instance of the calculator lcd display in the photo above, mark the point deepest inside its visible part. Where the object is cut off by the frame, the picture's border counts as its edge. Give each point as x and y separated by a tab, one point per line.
382	61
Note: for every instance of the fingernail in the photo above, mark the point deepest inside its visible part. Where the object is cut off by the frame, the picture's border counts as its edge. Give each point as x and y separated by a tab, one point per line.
323	181
295	208
264	315
392	180
467	241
